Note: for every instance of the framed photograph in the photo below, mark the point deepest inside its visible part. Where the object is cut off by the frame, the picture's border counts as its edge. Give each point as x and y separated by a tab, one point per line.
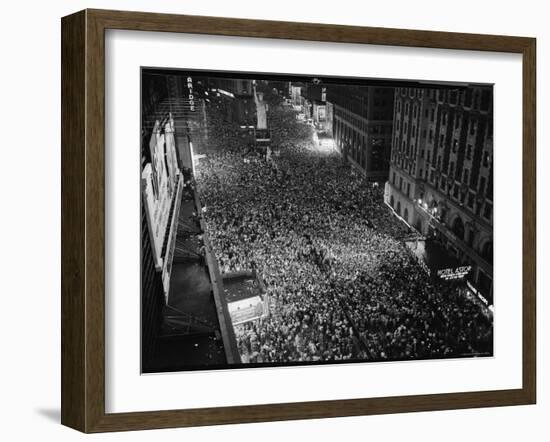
267	221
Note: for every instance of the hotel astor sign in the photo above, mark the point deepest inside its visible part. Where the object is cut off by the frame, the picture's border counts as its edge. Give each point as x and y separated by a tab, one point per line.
454	273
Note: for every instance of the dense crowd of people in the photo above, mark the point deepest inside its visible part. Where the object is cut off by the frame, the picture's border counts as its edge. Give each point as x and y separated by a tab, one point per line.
342	285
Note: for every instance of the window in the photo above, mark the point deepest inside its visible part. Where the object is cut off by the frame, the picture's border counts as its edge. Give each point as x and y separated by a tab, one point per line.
455	146
476	100
453	97
393	178
458	228
485	100
466	176
486	159
482	185
432	117
469	152
473	126
424	133
470	239
468	98
408	189
487	211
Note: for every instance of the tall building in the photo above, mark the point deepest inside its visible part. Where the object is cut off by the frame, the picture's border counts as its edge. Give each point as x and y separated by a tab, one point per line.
441	173
362	119
237	99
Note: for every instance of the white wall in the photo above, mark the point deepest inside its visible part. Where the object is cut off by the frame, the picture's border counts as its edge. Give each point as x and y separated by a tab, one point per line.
30	231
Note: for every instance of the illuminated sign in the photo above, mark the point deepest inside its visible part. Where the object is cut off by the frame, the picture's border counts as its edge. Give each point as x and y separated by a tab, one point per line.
456	273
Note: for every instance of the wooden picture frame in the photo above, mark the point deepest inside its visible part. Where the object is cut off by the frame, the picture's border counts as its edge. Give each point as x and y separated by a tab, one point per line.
83	220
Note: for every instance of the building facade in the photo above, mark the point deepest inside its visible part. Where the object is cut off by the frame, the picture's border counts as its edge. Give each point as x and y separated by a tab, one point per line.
362	119
441	172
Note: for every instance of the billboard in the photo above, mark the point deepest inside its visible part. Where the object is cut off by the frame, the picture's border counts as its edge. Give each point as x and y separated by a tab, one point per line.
160	181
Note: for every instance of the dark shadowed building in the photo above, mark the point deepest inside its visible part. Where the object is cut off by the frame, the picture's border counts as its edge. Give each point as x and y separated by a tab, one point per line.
362	126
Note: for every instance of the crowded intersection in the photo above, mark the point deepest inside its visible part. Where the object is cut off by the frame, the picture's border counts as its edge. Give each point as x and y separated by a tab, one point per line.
341	283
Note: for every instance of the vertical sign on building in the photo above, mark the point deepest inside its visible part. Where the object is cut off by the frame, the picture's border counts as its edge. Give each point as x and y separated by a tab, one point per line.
190	96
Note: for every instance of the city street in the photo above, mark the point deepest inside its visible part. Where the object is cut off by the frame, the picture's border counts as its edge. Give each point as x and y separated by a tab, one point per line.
342	284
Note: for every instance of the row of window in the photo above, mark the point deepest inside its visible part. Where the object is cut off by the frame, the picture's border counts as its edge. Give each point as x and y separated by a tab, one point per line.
466	196
475	98
461	194
481	187
355	144
404	185
431	114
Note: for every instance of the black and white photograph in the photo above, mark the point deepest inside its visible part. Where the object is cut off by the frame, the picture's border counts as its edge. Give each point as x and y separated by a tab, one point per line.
292	220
